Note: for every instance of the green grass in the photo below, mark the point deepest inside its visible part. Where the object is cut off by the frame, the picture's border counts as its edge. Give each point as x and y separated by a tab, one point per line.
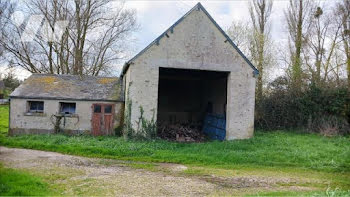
271	149
315	161
329	193
20	183
4	118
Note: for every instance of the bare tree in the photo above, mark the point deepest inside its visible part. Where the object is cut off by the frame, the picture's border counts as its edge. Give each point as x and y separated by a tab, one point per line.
95	37
321	44
6	8
343	16
260	12
240	33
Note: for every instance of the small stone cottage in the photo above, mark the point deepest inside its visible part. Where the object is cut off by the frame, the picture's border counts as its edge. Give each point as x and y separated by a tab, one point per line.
191	70
47	103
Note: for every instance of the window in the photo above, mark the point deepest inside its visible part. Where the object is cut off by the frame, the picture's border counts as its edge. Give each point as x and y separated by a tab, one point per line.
36	106
108	109
67	108
97	108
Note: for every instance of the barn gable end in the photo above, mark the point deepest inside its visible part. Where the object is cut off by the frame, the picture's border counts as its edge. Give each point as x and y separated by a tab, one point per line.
194	43
171	30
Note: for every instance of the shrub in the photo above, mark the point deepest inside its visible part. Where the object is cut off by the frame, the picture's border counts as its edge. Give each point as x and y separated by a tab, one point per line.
329	125
324	110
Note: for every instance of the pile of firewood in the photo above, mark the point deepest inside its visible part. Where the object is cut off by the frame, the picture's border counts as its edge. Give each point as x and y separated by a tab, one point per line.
181	132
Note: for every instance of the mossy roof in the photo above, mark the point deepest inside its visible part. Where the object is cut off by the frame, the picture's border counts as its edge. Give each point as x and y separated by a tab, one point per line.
69	87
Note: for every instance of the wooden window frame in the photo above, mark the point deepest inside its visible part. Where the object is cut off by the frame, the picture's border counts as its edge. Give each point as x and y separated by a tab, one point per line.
61	107
29	104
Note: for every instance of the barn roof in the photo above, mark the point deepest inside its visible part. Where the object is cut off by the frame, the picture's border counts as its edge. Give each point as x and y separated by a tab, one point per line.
69	87
198	6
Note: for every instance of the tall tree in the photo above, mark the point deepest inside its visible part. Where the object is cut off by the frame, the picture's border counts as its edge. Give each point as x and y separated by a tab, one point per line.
296	17
94	39
343	12
260	12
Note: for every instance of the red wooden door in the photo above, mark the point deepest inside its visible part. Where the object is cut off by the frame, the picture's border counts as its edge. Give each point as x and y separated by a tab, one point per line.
108	119
102	119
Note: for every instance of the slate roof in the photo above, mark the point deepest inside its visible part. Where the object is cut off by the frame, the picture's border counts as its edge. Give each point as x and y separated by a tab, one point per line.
198	6
69	87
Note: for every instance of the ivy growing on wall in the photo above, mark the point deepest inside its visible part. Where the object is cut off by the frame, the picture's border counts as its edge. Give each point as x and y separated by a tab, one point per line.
146	129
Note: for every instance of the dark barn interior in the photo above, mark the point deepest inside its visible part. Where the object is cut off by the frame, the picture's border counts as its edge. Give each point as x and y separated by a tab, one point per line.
185	97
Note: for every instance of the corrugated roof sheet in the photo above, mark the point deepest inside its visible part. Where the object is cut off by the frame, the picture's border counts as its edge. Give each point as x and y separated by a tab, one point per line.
69	87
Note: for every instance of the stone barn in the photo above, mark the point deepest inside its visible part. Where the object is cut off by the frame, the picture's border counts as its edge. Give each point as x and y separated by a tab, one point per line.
46	103
190	70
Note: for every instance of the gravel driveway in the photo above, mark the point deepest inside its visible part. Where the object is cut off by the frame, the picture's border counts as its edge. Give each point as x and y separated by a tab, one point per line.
84	176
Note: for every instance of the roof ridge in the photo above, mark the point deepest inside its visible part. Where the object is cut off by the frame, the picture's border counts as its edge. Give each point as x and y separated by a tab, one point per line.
70	75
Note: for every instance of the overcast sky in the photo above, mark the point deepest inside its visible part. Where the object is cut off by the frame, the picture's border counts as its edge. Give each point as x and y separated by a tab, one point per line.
154	17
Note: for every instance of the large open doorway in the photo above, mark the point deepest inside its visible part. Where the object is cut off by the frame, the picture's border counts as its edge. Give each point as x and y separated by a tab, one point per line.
185	100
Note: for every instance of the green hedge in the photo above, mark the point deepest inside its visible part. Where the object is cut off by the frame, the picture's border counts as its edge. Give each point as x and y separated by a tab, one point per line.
313	108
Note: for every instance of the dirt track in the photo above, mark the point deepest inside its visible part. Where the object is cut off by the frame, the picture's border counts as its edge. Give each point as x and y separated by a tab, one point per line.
85	175
72	175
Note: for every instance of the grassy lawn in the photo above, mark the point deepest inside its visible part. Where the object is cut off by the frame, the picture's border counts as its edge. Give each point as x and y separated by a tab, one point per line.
278	149
4	119
19	183
272	149
277	153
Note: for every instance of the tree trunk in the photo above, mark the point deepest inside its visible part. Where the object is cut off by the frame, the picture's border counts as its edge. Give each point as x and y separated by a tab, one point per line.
296	69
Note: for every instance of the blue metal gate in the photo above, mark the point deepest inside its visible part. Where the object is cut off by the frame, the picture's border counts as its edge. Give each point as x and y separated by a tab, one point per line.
215	126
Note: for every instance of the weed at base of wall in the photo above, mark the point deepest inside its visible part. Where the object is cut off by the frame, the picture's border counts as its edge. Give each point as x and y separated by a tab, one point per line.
146	128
